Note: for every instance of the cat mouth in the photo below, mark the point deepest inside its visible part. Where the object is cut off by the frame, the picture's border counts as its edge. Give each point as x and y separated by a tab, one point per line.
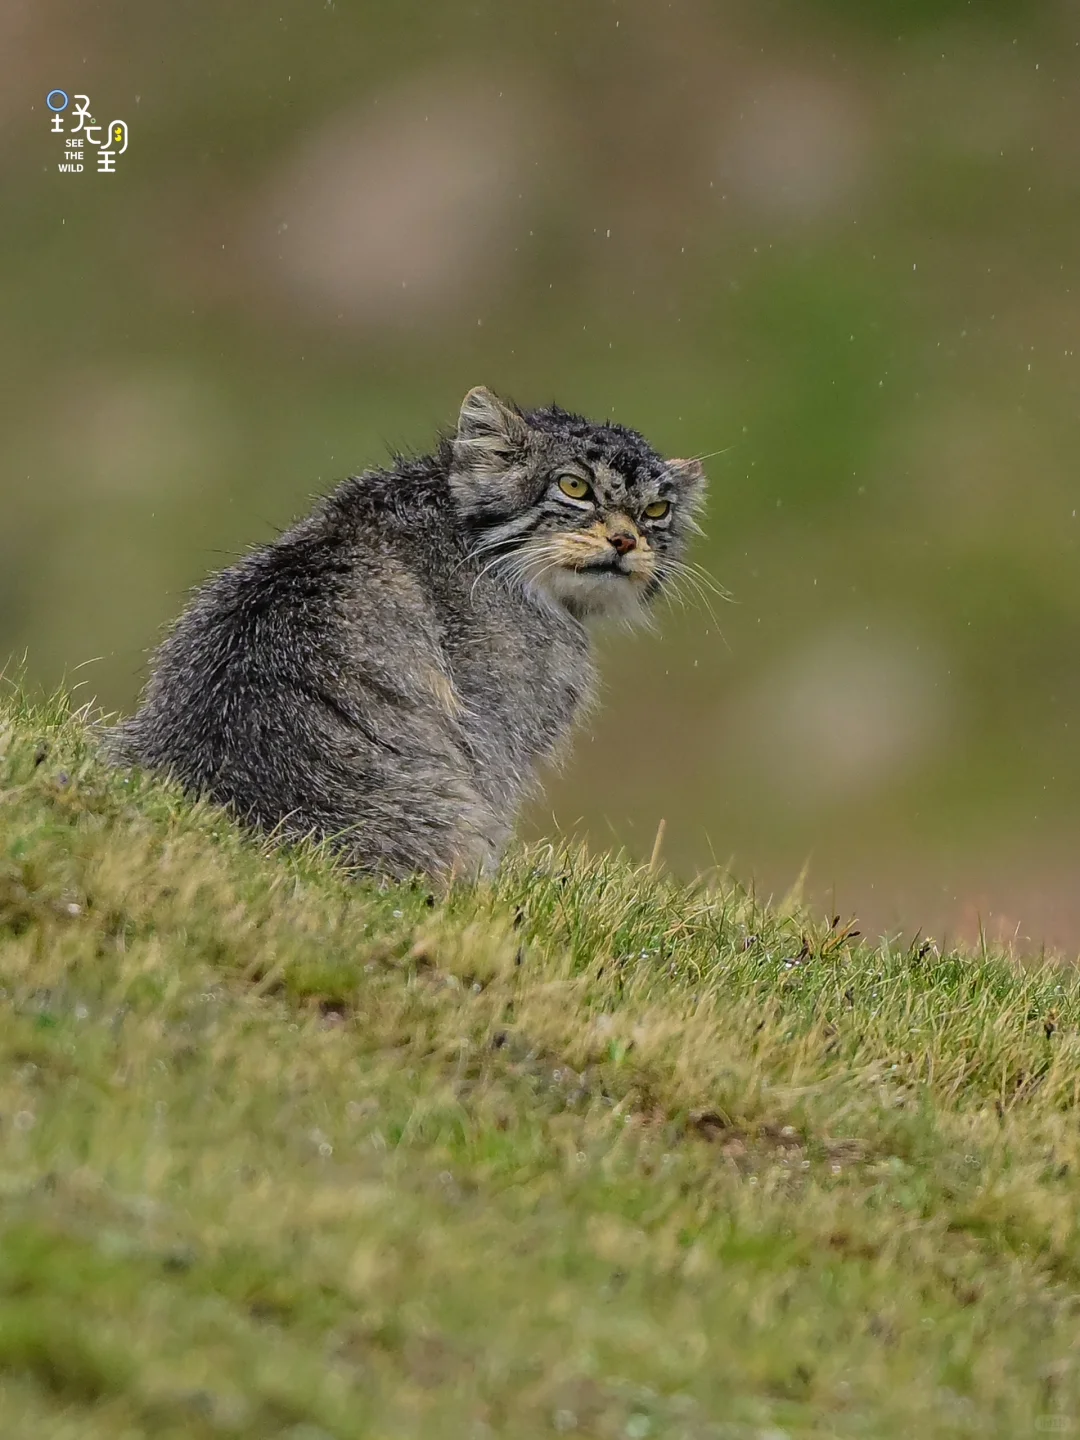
598	585
603	566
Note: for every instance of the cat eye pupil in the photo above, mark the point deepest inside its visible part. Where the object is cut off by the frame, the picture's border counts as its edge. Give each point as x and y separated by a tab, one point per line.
574	486
656	509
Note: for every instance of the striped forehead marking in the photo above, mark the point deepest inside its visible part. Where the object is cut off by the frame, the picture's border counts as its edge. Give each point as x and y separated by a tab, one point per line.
609	481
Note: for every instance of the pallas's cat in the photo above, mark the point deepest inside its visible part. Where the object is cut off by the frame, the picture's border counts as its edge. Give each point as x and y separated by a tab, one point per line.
390	673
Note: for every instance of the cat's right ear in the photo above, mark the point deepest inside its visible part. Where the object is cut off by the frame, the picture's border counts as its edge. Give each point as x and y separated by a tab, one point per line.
491	436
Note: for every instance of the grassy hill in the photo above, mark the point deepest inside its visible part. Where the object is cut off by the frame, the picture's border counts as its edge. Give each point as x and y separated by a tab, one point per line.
587	1153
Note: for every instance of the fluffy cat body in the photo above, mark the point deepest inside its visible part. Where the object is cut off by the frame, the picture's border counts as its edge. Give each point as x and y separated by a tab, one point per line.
390	673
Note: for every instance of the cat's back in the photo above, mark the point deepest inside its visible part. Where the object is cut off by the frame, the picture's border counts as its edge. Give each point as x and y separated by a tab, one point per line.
360	540
294	624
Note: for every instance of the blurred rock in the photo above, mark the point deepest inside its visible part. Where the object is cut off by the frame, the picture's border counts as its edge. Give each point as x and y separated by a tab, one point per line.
843	715
404	209
795	146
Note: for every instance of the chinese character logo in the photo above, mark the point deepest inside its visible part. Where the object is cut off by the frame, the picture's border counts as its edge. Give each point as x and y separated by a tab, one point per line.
84	138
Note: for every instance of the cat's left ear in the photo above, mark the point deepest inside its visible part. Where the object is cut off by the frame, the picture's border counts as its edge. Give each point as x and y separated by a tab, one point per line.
689	476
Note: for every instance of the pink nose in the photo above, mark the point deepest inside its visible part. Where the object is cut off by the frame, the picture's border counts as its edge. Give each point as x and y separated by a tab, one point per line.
623	542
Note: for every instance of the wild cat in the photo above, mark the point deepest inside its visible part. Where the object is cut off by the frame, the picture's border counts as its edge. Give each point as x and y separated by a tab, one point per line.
391	672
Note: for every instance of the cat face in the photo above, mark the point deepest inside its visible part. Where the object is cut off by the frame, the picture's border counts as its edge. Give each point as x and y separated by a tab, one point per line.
583	515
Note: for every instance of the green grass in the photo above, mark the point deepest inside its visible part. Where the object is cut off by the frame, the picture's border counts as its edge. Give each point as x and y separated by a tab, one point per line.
586	1153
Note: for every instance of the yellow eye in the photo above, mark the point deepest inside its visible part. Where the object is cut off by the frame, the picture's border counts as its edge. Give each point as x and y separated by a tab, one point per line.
574	486
657	509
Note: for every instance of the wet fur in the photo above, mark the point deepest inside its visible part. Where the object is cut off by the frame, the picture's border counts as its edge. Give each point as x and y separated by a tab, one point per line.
391	672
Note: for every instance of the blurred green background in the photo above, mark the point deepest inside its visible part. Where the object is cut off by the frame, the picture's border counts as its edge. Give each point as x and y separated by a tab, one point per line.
837	243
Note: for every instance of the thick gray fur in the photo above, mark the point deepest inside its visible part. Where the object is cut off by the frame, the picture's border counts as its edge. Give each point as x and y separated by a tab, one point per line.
391	672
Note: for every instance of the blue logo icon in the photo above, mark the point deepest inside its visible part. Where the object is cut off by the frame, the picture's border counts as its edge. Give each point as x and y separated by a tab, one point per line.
52	95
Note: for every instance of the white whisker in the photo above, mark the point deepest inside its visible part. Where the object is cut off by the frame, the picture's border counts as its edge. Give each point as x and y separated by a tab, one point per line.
678	577
495	543
713	453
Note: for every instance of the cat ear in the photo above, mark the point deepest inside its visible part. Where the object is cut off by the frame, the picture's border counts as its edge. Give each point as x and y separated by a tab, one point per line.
491	435
689	476
488	423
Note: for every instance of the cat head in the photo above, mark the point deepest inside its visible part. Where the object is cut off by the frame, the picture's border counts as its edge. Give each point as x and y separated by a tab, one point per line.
584	515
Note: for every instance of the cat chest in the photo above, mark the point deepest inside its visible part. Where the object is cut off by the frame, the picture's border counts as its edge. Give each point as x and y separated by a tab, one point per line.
522	698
